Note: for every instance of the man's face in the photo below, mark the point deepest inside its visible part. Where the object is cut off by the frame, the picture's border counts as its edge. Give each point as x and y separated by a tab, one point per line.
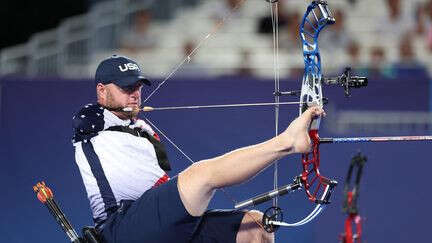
116	97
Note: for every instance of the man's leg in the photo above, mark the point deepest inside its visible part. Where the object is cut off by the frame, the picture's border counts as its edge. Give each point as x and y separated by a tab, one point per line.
197	183
250	230
231	226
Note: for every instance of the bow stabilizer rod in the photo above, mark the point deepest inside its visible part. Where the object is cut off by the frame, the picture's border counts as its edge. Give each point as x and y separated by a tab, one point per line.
267	196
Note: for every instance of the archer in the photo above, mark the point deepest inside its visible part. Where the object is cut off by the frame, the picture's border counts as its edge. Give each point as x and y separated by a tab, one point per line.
123	166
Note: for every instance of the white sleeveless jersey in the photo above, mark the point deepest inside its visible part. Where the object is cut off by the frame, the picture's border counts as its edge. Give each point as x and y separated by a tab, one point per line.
114	165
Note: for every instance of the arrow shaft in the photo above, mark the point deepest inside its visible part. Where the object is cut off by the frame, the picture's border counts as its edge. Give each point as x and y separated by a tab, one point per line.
147	108
375	139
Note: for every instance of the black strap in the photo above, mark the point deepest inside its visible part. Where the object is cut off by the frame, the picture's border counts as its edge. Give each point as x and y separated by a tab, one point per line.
98	172
158	146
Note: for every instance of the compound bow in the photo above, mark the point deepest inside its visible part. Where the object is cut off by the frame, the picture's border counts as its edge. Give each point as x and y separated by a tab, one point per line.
317	187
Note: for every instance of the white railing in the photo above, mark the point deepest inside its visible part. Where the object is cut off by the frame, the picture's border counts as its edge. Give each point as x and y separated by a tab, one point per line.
66	50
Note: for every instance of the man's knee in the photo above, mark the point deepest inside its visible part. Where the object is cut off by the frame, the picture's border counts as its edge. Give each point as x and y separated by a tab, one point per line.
195	191
251	229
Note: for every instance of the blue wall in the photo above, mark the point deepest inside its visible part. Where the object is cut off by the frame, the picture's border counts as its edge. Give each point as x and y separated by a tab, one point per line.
35	145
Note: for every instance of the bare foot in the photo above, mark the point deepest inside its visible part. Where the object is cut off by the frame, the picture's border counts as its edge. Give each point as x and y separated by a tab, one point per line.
298	130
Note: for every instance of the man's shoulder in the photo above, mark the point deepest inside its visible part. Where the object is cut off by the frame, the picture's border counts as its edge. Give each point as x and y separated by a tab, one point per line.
87	122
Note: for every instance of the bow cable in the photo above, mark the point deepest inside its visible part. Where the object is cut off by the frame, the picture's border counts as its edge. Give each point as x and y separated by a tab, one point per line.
229	196
315	212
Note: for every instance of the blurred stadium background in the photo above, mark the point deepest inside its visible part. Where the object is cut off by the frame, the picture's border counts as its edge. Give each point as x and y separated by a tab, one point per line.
45	79
375	36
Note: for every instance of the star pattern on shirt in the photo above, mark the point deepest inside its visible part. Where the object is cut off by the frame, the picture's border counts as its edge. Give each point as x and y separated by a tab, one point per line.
87	123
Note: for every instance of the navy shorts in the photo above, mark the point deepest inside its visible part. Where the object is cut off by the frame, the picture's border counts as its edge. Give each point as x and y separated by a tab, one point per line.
159	216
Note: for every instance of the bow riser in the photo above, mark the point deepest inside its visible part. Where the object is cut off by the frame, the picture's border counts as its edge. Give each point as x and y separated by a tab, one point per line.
311	94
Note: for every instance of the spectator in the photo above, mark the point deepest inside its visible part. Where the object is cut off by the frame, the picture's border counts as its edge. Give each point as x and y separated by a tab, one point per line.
378	66
352	2
245	68
290	36
353	58
395	22
407	56
420	19
265	23
289	40
225	8
378	57
408	65
352	50
377	60
428	24
139	36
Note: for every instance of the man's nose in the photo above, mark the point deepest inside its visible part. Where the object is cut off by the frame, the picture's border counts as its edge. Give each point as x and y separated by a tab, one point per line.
135	94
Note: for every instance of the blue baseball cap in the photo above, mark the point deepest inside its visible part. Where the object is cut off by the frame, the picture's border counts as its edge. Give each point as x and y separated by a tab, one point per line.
121	71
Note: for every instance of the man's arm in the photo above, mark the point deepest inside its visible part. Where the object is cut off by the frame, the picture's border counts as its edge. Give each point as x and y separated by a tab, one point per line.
198	182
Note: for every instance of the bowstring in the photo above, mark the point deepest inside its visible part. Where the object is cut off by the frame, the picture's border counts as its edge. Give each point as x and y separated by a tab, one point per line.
189	56
274	13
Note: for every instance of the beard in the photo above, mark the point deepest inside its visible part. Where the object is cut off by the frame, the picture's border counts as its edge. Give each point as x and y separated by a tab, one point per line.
112	104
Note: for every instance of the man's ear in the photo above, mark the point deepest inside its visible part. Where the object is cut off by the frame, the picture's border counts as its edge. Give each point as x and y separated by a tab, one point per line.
101	92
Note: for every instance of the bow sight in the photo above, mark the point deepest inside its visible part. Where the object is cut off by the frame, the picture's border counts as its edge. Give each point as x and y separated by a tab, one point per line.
347	81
